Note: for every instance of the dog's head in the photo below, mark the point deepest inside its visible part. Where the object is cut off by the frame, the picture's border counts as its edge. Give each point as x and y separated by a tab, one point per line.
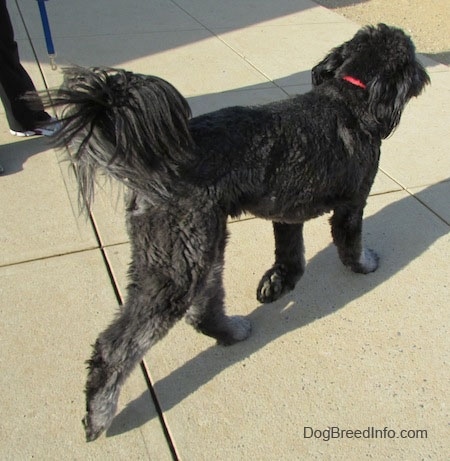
382	62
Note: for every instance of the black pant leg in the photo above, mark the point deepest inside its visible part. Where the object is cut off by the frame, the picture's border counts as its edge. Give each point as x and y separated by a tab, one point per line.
14	80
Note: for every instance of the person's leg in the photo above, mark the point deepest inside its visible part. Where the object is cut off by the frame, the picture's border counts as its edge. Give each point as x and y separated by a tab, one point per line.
15	81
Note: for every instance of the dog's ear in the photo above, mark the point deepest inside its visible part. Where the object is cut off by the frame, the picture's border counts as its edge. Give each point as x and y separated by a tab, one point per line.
326	69
388	95
386	102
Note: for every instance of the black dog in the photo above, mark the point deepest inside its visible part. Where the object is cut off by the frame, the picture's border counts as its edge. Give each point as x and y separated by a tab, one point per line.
288	161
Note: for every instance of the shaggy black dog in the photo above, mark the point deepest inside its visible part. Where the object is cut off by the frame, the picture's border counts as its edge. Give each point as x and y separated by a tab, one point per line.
287	161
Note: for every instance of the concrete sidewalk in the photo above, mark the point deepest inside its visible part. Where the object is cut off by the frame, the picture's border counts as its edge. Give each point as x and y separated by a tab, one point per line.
342	350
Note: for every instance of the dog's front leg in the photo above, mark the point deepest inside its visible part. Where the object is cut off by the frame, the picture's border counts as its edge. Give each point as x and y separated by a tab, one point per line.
346	227
289	263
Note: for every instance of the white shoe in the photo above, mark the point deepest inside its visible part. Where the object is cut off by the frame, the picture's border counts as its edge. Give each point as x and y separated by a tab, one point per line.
22	134
46	130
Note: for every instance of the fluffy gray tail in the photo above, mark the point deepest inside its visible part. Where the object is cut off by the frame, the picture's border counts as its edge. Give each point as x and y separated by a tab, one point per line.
128	126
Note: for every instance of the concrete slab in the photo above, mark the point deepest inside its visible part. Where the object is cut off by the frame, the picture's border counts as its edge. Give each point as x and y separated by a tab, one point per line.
39	212
432	65
163	54
253	12
135	17
294	49
383	184
51	312
342	350
416	154
436	198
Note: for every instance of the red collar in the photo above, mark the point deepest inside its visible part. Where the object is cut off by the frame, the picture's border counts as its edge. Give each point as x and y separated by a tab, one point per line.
354	81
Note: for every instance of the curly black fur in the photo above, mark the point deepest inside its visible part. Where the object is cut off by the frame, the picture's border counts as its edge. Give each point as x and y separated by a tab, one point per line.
288	161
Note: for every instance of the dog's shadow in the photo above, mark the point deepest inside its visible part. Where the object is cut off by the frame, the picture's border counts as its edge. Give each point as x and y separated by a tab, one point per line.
400	232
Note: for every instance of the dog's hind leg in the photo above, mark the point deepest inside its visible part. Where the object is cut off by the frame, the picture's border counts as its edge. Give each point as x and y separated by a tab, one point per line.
346	227
207	312
289	263
146	317
172	258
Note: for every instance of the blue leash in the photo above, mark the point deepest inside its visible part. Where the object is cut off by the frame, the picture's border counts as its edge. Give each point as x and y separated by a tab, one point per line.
47	33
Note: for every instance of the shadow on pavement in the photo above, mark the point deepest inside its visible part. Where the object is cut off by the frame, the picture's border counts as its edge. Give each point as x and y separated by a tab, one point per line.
14	155
400	232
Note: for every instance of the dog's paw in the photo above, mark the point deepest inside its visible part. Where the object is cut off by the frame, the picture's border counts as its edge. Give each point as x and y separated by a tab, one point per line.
238	329
368	262
101	407
274	284
92	428
270	287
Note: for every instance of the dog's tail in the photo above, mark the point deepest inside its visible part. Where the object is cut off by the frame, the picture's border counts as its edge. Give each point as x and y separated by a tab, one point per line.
128	126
